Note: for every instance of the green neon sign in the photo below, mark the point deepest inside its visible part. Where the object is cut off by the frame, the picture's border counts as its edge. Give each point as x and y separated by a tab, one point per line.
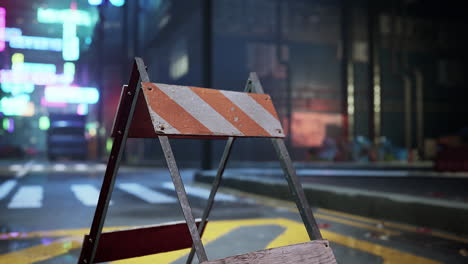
44	123
69	68
6	124
109	142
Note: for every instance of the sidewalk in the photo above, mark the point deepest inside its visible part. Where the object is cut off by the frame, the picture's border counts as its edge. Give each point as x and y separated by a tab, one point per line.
419	197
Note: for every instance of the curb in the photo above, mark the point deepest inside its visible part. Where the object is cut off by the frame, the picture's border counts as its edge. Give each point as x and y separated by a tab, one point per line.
440	214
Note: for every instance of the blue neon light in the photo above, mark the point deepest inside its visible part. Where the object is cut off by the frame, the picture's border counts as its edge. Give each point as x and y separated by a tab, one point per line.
34	67
12	32
17	88
117	3
36	43
71	95
95	2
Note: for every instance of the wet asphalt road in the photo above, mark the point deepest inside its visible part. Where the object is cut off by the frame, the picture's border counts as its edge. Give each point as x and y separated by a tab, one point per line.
43	215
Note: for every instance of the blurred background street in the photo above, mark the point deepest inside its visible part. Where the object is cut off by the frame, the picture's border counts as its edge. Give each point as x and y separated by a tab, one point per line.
371	96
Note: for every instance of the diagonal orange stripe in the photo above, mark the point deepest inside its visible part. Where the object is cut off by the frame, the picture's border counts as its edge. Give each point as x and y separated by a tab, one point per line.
231	112
173	113
265	101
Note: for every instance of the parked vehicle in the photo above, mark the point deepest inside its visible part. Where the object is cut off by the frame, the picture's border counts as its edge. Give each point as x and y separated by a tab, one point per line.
66	137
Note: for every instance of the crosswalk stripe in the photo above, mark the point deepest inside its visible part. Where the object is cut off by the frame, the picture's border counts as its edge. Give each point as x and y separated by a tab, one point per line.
59	167
86	193
6	187
81	167
38	167
146	193
201	193
27	197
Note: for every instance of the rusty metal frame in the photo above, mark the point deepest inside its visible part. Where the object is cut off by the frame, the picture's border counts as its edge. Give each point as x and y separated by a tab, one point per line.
122	126
254	85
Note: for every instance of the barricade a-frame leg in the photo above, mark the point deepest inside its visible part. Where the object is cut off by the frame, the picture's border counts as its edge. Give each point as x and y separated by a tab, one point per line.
122	125
215	185
290	173
180	190
183	200
254	85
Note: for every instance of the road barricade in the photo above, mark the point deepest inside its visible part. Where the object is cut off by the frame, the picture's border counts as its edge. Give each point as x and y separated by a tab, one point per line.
153	110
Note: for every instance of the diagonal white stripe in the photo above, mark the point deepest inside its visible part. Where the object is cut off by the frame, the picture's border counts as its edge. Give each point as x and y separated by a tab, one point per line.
158	120
146	193
201	193
86	193
27	197
199	109
6	187
255	111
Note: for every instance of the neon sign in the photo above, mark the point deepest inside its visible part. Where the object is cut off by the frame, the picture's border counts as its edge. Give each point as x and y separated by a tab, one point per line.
69	18
36	43
95	2
117	3
46	103
35	73
9	124
69	68
18	64
18	41
71	43
34	67
2	28
71	94
19	105
44	122
62	16
12	32
17	88
82	109
38	78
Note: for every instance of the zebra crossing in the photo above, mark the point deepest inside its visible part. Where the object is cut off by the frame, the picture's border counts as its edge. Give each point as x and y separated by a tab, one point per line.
146	194
32	196
27	197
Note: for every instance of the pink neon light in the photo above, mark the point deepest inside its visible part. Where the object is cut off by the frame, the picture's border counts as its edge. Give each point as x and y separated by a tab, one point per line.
2	28
82	109
309	128
44	102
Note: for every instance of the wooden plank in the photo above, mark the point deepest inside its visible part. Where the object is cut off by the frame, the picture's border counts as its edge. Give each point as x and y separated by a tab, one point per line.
201	112
313	252
142	241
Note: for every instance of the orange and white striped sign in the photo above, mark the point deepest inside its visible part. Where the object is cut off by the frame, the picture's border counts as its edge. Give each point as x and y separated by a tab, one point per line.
193	111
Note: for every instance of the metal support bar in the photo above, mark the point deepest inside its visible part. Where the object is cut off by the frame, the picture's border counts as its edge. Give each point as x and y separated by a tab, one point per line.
182	196
214	189
296	189
290	174
90	245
